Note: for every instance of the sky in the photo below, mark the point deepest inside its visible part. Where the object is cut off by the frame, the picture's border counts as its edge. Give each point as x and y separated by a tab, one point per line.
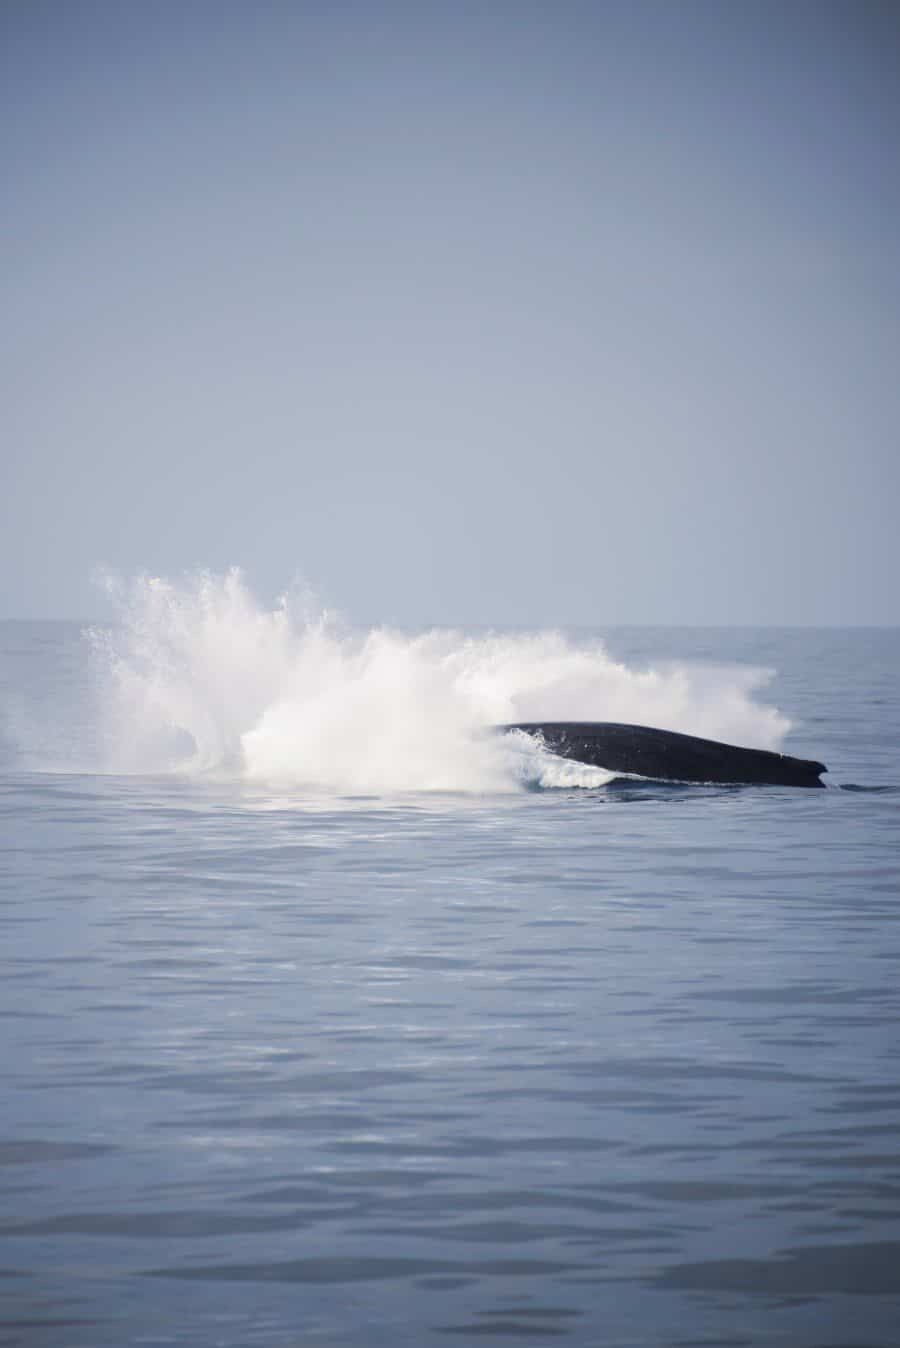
498	313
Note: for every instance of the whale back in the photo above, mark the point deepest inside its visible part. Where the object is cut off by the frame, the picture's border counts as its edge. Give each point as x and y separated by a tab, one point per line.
670	755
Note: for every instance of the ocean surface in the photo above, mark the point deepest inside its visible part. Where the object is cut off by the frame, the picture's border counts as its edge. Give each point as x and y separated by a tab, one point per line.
349	1056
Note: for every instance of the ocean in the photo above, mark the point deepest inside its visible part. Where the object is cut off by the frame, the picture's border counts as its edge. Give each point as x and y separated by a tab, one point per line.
331	1019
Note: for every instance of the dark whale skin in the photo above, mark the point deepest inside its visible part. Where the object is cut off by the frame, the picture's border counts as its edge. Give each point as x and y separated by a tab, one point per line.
669	755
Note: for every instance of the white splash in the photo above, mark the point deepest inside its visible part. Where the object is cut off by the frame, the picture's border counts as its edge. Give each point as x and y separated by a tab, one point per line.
200	678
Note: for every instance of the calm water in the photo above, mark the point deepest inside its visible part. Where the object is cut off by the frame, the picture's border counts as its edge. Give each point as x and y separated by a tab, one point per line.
615	1066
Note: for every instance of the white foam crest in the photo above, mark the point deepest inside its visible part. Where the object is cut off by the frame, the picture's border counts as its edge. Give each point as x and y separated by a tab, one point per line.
199	678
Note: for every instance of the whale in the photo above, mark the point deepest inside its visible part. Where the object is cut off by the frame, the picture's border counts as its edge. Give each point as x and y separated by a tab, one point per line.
669	755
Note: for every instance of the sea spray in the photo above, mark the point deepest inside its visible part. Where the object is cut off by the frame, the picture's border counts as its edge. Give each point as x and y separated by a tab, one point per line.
199	678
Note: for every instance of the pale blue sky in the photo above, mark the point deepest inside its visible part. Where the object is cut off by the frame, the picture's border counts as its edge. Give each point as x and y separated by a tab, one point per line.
491	313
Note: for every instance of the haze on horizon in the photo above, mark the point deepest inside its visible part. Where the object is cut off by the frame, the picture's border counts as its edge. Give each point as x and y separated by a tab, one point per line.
516	314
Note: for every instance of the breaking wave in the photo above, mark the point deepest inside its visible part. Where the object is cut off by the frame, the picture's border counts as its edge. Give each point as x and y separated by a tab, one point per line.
199	678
